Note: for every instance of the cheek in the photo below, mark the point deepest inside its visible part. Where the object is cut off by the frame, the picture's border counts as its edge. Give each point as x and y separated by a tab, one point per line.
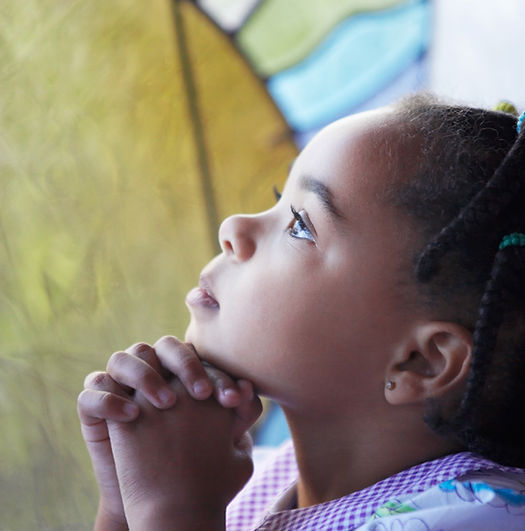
284	319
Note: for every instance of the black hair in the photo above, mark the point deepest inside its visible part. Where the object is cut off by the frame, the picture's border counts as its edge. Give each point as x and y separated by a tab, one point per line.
467	193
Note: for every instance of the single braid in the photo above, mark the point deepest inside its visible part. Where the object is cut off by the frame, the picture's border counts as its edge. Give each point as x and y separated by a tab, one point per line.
486	422
486	332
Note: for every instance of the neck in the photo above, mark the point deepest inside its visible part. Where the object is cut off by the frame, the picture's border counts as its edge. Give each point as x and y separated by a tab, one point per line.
336	460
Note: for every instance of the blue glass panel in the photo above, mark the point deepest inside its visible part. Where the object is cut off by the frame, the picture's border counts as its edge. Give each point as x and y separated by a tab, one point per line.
274	429
355	61
409	80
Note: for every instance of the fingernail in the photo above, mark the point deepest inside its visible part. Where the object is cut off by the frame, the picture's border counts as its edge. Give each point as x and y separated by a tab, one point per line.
165	397
233	396
201	388
130	409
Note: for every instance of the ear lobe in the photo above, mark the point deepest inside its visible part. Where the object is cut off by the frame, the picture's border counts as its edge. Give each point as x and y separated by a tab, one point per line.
434	361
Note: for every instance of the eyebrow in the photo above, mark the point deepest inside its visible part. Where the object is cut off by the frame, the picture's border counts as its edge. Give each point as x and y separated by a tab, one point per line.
324	194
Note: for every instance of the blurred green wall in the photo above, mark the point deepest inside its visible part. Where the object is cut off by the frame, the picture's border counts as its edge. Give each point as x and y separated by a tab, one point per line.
102	223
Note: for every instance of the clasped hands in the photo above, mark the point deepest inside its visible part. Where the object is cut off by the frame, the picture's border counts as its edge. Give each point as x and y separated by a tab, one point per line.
167	436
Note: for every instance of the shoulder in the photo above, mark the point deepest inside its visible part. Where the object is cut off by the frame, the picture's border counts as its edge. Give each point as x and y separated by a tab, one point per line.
487	497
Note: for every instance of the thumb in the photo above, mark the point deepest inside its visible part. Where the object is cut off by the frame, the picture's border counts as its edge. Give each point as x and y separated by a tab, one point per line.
248	411
244	444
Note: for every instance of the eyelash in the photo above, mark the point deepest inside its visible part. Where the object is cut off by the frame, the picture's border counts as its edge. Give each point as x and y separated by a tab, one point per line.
298	219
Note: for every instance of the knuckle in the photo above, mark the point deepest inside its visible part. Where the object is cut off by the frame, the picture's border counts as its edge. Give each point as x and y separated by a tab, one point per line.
141	349
81	399
213	371
189	364
149	380
115	360
168	341
223	379
95	380
106	401
142	377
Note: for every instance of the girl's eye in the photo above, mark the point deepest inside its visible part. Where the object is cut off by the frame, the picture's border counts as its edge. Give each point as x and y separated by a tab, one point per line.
298	228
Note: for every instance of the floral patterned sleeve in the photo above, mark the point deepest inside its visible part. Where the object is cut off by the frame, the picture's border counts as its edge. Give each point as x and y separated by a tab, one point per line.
481	500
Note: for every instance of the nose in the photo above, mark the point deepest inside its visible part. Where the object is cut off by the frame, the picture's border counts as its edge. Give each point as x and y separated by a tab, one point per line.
237	236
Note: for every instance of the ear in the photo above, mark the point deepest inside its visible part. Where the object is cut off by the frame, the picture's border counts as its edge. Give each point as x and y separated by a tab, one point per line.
432	362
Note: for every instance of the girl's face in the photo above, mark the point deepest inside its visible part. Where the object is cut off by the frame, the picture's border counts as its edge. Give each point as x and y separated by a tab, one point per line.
305	299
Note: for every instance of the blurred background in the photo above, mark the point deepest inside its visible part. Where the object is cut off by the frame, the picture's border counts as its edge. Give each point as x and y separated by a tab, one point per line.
129	129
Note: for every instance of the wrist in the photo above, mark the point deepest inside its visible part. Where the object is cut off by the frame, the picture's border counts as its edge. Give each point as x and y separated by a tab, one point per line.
106	520
171	518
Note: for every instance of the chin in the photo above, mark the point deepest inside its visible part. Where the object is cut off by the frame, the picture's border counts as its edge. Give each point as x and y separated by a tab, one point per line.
191	336
201	346
208	350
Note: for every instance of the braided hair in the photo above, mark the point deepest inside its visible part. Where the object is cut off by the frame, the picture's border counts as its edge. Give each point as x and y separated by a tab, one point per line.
467	194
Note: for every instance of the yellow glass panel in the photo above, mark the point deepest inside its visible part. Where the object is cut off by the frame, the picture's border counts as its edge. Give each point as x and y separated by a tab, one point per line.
249	143
102	224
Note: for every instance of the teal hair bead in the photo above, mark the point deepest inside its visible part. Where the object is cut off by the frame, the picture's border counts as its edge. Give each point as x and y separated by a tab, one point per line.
515	239
520	121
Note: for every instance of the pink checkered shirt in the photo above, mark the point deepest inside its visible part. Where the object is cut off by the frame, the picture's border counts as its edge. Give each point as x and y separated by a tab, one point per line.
250	510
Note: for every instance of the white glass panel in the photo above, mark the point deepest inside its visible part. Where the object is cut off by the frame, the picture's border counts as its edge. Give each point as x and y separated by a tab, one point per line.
228	14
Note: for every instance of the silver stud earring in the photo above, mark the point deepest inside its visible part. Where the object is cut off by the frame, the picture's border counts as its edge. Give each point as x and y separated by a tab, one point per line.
390	385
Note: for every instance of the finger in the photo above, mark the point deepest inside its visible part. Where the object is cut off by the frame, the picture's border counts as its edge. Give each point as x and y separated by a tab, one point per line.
146	353
132	371
248	411
225	389
182	360
102	381
94	405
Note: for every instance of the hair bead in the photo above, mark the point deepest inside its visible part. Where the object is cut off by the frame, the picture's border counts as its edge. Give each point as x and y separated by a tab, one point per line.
520	121
506	106
516	239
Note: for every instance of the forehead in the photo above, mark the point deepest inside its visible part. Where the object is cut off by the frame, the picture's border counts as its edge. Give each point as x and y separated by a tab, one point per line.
353	157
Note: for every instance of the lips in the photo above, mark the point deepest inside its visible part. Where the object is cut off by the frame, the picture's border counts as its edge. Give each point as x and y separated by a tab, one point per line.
205	287
202	295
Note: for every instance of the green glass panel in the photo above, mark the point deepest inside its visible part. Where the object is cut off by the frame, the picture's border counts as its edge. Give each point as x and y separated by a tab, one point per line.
280	34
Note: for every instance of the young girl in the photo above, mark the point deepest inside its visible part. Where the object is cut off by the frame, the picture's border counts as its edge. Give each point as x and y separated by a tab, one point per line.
380	303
